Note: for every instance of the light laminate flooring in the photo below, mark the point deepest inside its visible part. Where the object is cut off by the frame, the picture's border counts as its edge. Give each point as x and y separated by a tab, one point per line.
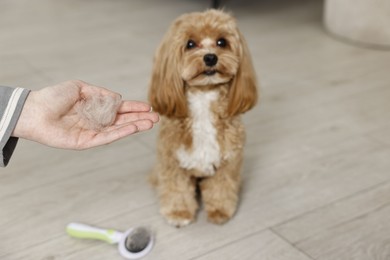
316	176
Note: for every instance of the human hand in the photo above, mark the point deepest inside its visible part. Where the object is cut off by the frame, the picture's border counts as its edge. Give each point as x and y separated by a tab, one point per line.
51	116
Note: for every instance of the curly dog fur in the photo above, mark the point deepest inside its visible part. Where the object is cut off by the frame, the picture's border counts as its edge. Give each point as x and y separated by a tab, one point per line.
203	80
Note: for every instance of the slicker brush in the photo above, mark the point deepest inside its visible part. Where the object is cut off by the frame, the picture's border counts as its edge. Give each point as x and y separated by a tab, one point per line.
132	244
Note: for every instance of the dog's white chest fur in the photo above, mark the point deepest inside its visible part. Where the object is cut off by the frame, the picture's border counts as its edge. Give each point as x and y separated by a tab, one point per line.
205	153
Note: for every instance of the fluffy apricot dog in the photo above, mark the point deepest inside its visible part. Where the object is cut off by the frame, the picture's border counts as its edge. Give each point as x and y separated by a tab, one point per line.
203	80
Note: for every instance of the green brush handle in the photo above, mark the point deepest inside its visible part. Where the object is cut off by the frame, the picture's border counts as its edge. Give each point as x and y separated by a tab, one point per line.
83	231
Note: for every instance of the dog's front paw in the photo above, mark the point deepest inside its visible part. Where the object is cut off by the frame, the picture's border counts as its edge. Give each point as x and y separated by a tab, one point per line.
218	216
179	218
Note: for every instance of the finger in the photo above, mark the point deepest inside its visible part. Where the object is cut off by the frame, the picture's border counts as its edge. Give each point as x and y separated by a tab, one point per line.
112	135
143	125
131	117
134	106
119	132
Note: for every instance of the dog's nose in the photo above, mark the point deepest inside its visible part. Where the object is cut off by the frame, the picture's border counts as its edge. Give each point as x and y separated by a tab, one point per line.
210	59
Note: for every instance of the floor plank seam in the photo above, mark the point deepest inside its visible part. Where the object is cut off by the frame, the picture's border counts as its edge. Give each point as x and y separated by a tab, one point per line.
229	243
337	201
33	245
323	104
123	213
75	174
334	202
291	244
362	216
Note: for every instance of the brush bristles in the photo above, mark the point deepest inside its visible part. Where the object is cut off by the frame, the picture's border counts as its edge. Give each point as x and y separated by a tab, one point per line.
138	239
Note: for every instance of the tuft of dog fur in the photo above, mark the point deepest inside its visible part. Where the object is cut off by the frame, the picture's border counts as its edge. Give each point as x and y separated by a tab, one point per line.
201	138
99	111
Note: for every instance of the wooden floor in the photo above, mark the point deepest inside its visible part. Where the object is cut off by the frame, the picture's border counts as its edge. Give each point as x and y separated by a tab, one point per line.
317	161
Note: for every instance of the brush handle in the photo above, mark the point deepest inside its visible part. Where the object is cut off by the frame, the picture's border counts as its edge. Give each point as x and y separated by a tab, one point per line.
79	230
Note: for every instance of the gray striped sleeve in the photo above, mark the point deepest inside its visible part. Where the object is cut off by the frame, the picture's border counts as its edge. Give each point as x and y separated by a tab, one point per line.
11	105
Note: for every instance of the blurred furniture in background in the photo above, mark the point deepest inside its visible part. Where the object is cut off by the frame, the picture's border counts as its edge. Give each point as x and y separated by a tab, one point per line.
215	4
361	21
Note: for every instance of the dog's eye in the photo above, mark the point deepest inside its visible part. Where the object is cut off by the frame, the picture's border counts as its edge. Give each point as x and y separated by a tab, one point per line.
221	42
190	44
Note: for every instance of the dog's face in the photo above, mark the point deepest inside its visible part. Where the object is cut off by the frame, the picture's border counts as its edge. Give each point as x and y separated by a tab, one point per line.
202	49
209	49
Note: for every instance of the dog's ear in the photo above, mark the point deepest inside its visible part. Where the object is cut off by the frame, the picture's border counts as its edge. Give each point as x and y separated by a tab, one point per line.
243	91
166	91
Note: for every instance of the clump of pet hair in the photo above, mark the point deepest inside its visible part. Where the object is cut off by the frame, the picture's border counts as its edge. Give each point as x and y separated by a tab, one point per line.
99	111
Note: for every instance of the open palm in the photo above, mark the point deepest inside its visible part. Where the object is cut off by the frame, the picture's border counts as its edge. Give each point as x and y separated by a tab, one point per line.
51	116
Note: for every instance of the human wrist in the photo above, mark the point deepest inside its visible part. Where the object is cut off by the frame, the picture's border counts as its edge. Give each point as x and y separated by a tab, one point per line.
24	127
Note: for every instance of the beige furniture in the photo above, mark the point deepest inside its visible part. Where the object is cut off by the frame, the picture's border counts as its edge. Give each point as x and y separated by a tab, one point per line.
361	21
